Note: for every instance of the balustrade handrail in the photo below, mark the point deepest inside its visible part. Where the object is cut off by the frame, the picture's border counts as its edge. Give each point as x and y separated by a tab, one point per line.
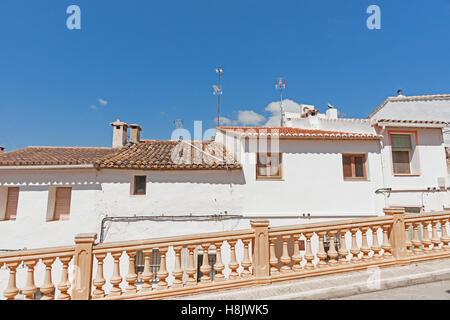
191	239
34	254
329	225
428	216
260	264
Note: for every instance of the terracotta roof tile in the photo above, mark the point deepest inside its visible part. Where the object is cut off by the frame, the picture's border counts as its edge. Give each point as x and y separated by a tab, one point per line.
53	156
169	155
148	154
289	132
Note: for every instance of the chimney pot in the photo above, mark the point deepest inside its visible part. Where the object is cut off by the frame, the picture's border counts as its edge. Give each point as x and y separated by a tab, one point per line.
135	133
119	133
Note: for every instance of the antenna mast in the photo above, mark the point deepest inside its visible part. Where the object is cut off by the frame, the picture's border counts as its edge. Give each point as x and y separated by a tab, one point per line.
280	84
218	91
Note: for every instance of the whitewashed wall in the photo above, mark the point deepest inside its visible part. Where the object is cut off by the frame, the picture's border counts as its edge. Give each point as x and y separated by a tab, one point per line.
432	165
438	110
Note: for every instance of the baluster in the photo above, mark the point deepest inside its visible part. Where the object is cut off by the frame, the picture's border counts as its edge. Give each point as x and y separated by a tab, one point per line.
309	257
147	274
273	258
30	287
99	280
116	279
190	270
177	271
219	266
321	254
233	265
386	246
285	258
11	291
205	268
162	273
364	246
375	244
246	263
416	241
343	251
131	276
332	253
426	241
445	238
64	284
434	236
48	287
296	257
354	249
408	242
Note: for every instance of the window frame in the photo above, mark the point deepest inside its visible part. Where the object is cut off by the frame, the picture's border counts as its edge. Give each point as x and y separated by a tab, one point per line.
133	186
4	203
352	165
414	148
66	216
280	166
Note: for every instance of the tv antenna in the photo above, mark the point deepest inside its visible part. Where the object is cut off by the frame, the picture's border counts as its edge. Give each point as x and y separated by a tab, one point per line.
178	123
280	84
218	92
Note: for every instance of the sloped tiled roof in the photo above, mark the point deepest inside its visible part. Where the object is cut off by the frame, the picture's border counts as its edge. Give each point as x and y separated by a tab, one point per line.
410	98
412	121
53	156
415	123
166	155
148	154
289	132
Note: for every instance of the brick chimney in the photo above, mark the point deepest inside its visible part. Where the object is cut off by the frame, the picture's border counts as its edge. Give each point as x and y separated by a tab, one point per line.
119	133
135	133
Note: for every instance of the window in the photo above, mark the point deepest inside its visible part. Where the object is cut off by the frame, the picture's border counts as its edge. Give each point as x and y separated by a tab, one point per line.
155	263
401	153
354	166
211	260
139	185
12	200
62	203
268	166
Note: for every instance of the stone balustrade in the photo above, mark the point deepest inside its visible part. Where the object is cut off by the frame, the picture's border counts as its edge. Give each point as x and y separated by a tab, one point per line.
213	261
32	260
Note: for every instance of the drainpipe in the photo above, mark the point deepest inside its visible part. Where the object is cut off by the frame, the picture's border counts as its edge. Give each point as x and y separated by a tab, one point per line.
383	128
214	217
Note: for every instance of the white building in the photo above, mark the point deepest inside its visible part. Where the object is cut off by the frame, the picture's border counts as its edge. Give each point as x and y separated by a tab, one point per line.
328	168
317	167
425	107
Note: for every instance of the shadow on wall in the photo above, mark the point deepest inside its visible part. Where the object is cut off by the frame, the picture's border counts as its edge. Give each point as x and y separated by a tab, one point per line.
40	180
235	177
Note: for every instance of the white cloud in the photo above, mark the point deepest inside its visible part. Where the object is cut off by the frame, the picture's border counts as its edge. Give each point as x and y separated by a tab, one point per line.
102	102
274	107
224	121
250	118
93	107
245	118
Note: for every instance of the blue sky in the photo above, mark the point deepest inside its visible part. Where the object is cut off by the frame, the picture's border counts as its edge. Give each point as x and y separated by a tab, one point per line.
154	61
